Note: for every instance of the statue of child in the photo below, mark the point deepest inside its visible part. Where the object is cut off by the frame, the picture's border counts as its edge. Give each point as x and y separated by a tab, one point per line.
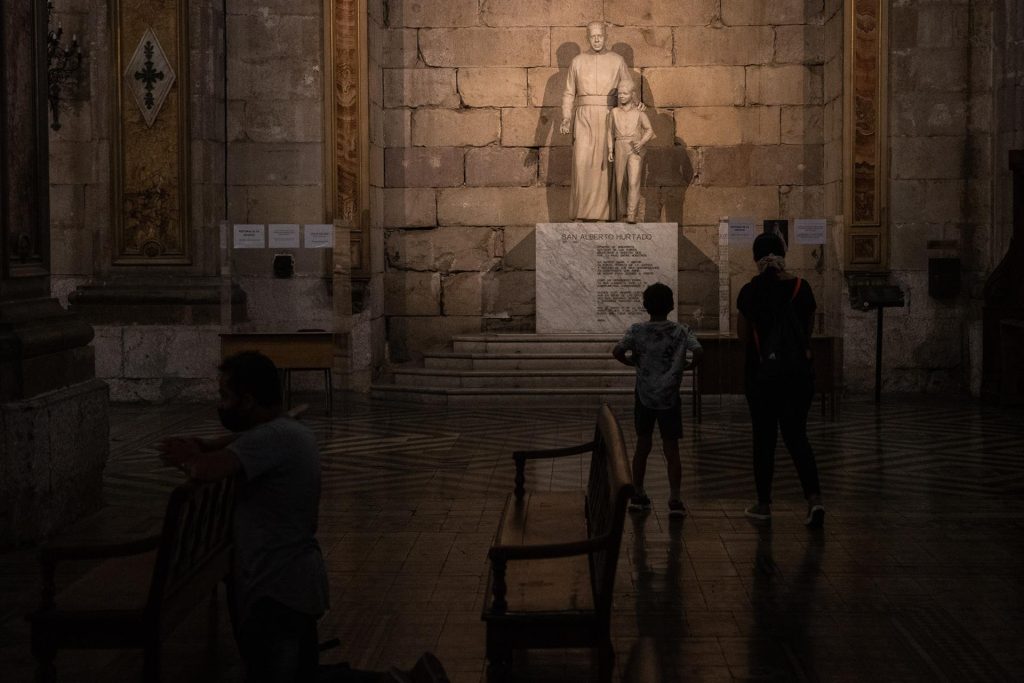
629	131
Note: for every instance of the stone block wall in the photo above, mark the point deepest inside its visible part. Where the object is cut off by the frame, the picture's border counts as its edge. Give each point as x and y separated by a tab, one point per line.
256	145
81	172
275	154
832	111
473	158
940	135
80	151
158	363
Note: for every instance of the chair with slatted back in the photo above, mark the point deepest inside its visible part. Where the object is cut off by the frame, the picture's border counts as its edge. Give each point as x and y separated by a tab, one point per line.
555	553
144	587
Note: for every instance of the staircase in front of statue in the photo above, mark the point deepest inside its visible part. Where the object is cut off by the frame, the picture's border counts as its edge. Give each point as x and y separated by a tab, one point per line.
519	367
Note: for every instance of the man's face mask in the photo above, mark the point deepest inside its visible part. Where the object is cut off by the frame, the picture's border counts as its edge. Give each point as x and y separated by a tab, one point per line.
232	419
232	415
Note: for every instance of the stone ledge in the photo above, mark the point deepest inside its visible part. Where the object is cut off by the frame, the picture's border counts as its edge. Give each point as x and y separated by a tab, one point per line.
149	303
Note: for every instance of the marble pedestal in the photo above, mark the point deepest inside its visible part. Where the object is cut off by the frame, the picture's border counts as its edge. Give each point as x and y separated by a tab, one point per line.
591	276
52	455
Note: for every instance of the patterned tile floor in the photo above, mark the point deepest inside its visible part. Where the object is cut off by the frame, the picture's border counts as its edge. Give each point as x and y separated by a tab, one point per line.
918	574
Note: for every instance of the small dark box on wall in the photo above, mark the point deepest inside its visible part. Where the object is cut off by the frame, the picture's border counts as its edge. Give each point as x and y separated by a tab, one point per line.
943	277
284	265
780	226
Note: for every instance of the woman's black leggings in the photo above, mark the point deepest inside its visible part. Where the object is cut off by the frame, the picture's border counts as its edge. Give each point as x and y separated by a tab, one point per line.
782	408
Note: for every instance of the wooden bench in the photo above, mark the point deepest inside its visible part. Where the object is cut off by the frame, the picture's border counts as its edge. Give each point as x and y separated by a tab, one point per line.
144	587
554	555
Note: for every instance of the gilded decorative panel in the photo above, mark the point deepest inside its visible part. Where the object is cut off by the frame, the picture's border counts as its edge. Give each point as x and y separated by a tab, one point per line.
151	132
866	149
348	124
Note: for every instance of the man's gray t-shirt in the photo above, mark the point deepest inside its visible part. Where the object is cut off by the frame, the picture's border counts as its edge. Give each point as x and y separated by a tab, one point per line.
276	552
659	353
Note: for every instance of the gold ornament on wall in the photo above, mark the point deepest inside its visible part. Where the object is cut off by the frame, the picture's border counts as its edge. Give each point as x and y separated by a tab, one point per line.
866	175
151	140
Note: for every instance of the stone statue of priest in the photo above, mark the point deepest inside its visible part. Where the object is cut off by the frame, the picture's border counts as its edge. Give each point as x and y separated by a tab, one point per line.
592	84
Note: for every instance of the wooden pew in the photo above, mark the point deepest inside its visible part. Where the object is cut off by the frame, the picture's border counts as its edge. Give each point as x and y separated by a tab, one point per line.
144	587
555	553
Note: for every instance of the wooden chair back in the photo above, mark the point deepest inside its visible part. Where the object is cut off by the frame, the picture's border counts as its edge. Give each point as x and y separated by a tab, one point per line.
195	549
609	487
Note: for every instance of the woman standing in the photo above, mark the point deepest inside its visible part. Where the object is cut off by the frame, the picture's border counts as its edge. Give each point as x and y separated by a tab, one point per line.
776	317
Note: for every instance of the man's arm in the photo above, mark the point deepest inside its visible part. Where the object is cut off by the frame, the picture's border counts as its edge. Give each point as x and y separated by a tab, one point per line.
218	444
698	356
199	459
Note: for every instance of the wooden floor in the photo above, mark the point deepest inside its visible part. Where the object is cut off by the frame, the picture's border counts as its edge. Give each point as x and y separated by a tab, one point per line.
916	576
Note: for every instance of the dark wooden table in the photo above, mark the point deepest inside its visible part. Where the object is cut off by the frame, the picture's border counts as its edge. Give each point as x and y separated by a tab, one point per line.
290	351
721	371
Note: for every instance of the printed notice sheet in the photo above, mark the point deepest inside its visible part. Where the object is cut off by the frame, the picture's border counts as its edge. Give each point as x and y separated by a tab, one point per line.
250	236
741	229
283	235
319	236
810	231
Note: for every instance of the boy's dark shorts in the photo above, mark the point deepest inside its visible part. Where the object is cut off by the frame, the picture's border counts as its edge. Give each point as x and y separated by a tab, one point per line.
670	420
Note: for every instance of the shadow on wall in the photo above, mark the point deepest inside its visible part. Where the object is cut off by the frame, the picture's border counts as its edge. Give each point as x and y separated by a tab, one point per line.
669	170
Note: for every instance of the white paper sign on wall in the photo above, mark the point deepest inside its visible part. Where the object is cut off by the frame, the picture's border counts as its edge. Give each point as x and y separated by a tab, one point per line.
250	236
741	229
283	235
810	231
319	236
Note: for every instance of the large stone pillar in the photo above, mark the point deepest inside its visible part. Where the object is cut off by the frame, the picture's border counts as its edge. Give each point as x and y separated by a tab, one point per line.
53	412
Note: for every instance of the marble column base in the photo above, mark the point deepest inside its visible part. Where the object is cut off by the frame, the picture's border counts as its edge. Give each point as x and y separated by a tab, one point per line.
53	448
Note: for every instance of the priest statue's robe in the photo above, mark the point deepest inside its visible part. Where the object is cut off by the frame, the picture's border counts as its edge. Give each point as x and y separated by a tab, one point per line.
591	87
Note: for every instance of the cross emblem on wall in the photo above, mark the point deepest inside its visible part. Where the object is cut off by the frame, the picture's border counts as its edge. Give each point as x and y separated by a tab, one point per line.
149	76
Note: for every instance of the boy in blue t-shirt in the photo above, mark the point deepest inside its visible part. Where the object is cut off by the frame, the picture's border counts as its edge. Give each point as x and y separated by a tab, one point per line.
658	351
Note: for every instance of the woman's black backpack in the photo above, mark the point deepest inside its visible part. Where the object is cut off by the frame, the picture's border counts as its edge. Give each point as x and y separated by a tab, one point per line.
783	354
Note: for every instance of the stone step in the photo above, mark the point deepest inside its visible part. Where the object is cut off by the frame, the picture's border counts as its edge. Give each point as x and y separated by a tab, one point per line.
535	343
521	361
513	379
485	395
519	367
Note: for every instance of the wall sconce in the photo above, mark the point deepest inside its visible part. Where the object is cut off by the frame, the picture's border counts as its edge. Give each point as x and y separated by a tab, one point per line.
63	64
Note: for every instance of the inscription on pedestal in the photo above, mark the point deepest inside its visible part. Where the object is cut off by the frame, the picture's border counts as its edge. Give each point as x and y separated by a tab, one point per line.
591	276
